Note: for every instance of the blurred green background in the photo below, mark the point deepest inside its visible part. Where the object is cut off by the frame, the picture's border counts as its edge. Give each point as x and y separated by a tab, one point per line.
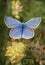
31	9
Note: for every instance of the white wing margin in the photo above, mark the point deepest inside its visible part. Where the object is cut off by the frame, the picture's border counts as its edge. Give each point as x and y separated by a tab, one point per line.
33	23
11	22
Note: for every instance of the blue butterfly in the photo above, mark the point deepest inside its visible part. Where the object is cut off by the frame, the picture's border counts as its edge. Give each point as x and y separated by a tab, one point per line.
22	30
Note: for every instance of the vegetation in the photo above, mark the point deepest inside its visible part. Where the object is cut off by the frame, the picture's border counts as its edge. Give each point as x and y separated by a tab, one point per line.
29	52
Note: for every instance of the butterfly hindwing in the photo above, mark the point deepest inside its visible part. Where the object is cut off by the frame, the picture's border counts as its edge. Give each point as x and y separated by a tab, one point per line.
11	22
27	33
33	23
15	33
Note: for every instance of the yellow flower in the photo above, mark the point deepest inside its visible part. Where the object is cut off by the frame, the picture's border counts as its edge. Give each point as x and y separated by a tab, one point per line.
13	4
17	16
17	7
15	12
15	51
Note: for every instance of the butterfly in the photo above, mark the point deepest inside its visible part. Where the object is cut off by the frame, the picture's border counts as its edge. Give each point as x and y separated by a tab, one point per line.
22	30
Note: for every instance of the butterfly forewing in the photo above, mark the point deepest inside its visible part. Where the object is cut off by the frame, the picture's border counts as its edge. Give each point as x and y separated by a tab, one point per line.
11	22
33	23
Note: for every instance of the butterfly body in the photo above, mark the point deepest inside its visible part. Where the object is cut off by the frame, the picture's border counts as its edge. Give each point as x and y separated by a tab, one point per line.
23	26
22	30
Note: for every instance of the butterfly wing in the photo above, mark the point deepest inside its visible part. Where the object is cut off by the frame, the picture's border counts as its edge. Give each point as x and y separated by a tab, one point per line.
11	22
33	23
27	33
15	33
